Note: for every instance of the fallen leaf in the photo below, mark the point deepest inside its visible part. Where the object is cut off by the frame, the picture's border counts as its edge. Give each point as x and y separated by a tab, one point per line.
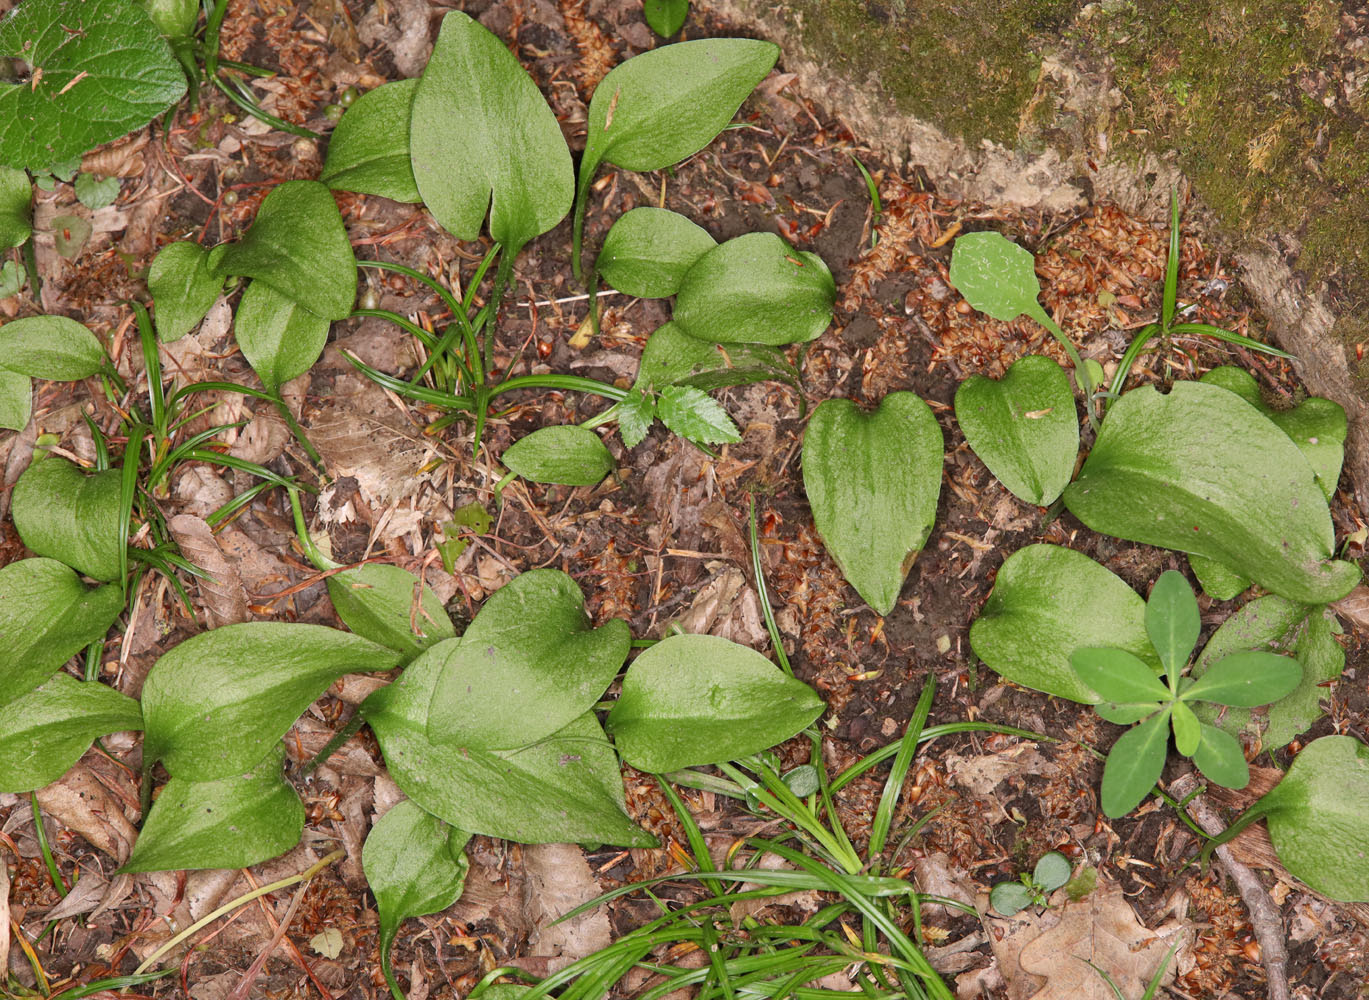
221	590
327	942
981	775
558	880
80	803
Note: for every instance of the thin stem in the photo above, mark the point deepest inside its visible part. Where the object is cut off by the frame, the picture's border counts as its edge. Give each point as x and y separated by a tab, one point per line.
759	572
311	551
53	871
344	734
501	281
571	383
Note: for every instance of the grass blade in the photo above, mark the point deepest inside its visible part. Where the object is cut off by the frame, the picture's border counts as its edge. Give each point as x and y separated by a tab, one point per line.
893	787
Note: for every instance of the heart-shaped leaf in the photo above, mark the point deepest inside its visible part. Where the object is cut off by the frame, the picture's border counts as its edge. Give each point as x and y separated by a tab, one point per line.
279	337
566	787
564	453
51	347
1134	765
756	289
1052	871
299	247
47	730
69	515
996	276
696	416
531	646
665	17
100	69
1117	676
872	481
1172	621
47	616
1202	471
16	211
389	605
698	699
368	152
16	400
1046	603
214	705
233	822
673	357
483	140
415	864
649	250
1220	757
1023	427
183	288
1247	679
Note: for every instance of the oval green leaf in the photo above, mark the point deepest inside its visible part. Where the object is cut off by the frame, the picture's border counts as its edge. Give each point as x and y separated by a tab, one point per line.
995	275
692	700
47	730
649	250
873	480
16	400
1052	871
1118	676
1172	621
214	705
696	416
388	605
567	454
1134	765
1008	898
665	17
279	337
1200	470
1023	427
1220	757
369	150
183	288
673	357
16	208
69	515
1186	728
1247	679
51	347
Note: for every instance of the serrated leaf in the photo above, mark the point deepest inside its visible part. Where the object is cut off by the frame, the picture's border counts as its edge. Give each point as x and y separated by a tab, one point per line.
1010	897
1246	679
1202	471
567	454
69	515
1220	758
105	72
1118	676
665	17
1187	734
16	400
369	150
635	415
531	648
873	479
214	705
698	699
995	275
1172	621
696	416
96	192
182	287
649	250
279	337
755	289
232	822
1134	765
298	246
45	732
390	606
1052	871
484	140
673	357
1047	602
51	347
16	207
566	787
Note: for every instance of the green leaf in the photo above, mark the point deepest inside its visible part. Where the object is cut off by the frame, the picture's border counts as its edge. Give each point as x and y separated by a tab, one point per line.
995	275
16	400
279	337
415	865
175	19
11	280
692	700
1220	758
1010	897
529	664
1187	733
1023	427
47	616
873	480
563	788
1047	602
649	250
69	515
1052	871
214	705
16	207
182	287
1247	679
1134	765
47	730
69	235
382	603
665	17
696	416
233	822
96	192
635	415
369	150
567	454
673	357
298	246
1201	471
1172	621
105	72
51	347
484	140
755	289
1118	676
1218	582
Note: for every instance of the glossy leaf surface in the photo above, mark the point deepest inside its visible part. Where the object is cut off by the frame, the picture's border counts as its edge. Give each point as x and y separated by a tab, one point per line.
649	250
369	150
47	730
696	416
183	288
279	337
385	604
995	275
562	453
673	357
1134	765
66	514
51	347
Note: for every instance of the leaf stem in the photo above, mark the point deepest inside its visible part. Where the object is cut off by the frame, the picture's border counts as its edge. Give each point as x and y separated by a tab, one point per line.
344	734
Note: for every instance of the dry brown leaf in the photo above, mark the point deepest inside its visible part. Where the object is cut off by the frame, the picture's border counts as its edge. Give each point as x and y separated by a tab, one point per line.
982	774
1354	607
726	606
4	912
225	601
558	880
263	439
79	802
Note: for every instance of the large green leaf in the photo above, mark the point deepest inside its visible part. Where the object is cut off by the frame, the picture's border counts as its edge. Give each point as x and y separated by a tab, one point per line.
566	787
369	150
214	705
415	864
232	822
563	453
697	699
484	140
872	480
105	71
1023	427
183	288
382	603
16	210
47	730
529	665
1201	470
51	347
673	357
649	250
69	515
298	246
47	616
756	289
16	400
1046	603
279	337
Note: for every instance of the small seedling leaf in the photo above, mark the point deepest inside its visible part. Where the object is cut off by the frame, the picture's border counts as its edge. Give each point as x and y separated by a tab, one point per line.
369	150
182	287
565	454
665	17
1220	758
16	400
1118	676
16	211
1010	897
388	605
278	336
1172	621
66	514
1186	729
69	235
47	730
1052	871
995	275
51	347
96	192
649	250
1134	765
673	357
1247	679
692	700
696	416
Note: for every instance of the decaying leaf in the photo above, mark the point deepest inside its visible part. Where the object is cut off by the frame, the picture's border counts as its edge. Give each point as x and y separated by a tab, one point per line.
225	601
558	880
79	802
